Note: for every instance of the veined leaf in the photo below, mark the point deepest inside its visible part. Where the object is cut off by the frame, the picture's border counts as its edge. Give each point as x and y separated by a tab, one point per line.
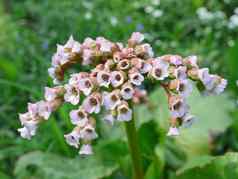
57	167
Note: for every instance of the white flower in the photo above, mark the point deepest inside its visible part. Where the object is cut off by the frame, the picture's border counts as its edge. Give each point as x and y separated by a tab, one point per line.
233	22
88	133
204	14
72	94
88	15
86	149
73	138
103	78
111	100
113	21
136	78
160	69
124	113
137	37
155	2
173	131
92	104
85	85
178	106
157	13
127	91
188	120
79	117
117	78
149	9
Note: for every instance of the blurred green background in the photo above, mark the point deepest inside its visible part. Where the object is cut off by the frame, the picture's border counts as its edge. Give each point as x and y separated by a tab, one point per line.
29	32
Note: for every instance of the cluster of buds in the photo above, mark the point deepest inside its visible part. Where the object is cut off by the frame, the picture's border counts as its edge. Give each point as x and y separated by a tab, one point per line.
114	84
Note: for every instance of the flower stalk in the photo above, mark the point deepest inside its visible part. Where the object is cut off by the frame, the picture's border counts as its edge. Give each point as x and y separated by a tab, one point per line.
134	149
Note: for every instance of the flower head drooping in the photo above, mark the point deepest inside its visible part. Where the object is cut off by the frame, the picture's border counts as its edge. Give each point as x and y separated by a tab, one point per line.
113	84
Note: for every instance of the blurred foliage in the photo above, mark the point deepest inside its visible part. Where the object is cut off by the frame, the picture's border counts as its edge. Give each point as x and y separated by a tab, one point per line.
29	33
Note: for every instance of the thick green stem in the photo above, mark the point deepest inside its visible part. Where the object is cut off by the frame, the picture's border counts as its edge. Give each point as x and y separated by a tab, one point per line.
134	149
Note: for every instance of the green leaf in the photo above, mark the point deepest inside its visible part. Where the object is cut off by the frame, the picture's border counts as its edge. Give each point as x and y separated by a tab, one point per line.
4	176
222	167
56	167
212	114
153	171
149	137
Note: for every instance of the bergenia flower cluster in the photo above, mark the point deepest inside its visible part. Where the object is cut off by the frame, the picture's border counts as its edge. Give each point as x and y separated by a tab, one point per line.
114	84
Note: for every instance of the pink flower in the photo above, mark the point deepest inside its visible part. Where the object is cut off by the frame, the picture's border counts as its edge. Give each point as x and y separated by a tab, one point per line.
53	74
89	43
73	138
70	42
180	72
117	78
27	133
77	48
105	45
127	91
79	117
123	64
144	50
53	93
86	149
173	131
72	94
160	69
176	60
178	106
124	113
88	133
87	56
182	87
86	86
137	37
191	61
136	78
103	78
92	103
40	109
111	100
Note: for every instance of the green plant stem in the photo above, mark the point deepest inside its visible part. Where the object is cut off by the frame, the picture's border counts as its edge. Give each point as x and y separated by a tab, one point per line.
134	149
